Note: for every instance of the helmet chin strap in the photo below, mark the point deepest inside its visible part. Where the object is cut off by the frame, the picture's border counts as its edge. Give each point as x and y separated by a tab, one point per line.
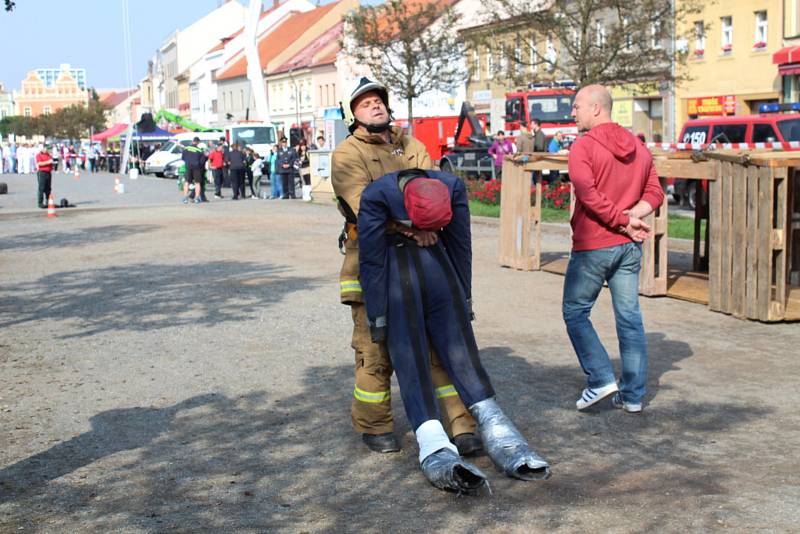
378	128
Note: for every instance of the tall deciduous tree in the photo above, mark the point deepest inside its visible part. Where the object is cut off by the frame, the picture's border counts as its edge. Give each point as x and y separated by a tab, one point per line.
612	42
411	46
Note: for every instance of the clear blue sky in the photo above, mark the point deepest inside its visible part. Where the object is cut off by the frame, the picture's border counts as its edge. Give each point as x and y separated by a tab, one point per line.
88	34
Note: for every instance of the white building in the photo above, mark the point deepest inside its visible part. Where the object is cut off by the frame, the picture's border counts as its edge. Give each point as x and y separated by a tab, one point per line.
205	103
183	49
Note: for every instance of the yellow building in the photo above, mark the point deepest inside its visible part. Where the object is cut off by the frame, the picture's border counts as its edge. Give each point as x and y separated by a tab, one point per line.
730	59
787	59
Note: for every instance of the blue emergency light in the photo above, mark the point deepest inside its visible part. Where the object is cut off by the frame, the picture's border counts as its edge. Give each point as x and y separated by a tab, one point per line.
777	108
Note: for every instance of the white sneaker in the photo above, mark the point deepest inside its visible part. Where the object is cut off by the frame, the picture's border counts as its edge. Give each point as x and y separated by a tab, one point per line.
591	396
630	407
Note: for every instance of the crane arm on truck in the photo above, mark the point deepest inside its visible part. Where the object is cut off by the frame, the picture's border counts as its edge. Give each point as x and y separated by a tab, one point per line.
475	135
184	123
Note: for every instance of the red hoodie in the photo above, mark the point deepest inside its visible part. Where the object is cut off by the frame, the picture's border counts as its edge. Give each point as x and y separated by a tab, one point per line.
611	171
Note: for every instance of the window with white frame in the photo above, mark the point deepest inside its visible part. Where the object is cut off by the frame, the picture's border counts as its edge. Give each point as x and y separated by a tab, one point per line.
489	63
503	60
600	33
699	37
47	110
626	23
476	65
28	111
533	54
761	29
551	55
655	34
517	57
727	33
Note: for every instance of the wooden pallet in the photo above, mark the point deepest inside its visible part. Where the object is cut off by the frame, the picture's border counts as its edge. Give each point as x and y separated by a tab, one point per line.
751	236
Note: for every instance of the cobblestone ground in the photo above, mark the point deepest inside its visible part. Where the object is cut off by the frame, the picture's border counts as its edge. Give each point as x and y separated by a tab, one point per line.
187	368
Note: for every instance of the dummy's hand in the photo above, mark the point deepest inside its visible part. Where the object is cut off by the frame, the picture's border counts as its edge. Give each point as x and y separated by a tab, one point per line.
637	230
424	238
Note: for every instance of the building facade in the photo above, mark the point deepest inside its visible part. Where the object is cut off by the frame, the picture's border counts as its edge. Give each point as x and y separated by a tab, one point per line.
6	102
730	63
36	98
234	99
50	76
787	59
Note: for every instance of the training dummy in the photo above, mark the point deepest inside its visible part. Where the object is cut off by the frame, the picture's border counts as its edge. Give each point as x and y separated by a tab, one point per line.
415	294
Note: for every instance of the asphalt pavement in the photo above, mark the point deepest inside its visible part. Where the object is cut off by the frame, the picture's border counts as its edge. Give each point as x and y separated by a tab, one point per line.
173	368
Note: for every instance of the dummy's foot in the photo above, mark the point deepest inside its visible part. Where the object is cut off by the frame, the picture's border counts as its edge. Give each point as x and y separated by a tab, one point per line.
383	443
448	471
505	445
468	444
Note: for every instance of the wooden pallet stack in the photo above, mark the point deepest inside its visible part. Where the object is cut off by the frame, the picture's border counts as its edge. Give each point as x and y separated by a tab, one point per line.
753	232
753	241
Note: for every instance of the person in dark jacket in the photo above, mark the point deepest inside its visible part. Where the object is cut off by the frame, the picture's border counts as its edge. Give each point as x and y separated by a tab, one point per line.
195	159
419	295
236	162
286	159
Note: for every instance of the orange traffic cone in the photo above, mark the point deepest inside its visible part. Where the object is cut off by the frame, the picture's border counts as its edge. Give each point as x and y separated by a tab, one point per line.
116	184
51	207
77	173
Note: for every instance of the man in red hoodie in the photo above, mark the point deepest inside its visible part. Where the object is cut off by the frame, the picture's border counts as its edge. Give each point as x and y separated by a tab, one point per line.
615	187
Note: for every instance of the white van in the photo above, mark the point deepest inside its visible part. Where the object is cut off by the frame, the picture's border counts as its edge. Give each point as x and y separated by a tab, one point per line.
171	150
259	136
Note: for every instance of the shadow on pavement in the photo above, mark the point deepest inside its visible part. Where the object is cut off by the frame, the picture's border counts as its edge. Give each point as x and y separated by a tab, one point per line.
73	238
149	296
270	462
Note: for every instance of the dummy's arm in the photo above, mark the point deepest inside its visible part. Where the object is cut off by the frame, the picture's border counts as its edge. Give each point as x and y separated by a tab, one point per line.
373	216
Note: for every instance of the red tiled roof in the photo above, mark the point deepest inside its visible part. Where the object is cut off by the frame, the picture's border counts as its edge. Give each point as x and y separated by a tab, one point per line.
232	36
309	56
412	7
276	41
115	99
329	57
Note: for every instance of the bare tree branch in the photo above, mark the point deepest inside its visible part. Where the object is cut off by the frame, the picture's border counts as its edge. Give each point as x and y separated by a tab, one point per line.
411	47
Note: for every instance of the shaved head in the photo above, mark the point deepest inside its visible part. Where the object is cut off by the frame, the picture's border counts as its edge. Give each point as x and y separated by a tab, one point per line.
597	94
592	107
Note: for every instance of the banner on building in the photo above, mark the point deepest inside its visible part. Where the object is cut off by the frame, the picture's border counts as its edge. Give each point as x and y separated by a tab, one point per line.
622	113
712	105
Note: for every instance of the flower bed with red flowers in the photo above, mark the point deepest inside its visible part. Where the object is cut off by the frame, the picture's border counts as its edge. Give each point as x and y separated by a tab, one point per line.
555	195
485	192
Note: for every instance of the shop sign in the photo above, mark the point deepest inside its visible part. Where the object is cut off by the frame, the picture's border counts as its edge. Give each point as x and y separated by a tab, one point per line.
481	96
622	113
712	105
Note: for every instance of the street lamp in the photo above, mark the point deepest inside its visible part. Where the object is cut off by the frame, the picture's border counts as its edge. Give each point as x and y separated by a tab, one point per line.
296	98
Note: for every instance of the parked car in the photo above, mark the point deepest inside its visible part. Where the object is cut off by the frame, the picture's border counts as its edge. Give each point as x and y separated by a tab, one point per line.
174	169
769	126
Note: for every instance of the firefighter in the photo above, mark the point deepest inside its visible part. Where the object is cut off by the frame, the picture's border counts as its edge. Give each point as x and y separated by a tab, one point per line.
373	149
415	295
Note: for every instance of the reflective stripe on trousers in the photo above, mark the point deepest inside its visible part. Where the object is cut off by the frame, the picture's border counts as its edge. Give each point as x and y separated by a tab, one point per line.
374	398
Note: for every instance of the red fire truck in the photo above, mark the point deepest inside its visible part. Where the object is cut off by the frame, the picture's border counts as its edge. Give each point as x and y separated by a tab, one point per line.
551	105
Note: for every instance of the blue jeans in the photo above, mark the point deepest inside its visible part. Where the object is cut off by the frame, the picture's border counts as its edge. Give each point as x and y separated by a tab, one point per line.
586	273
275	185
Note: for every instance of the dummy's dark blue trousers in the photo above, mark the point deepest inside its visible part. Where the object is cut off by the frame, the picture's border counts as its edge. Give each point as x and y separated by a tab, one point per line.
426	302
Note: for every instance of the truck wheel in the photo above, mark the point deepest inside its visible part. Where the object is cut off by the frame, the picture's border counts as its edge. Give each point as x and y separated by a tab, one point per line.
446	166
691	194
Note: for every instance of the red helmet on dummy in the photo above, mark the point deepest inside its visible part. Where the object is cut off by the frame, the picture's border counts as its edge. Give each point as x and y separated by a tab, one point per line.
427	201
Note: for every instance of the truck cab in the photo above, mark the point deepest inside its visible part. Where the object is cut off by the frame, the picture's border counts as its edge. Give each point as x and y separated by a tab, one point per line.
259	136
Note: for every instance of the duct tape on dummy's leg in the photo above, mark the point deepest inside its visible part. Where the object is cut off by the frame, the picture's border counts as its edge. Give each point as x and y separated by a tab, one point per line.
442	465
502	441
438	457
505	445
